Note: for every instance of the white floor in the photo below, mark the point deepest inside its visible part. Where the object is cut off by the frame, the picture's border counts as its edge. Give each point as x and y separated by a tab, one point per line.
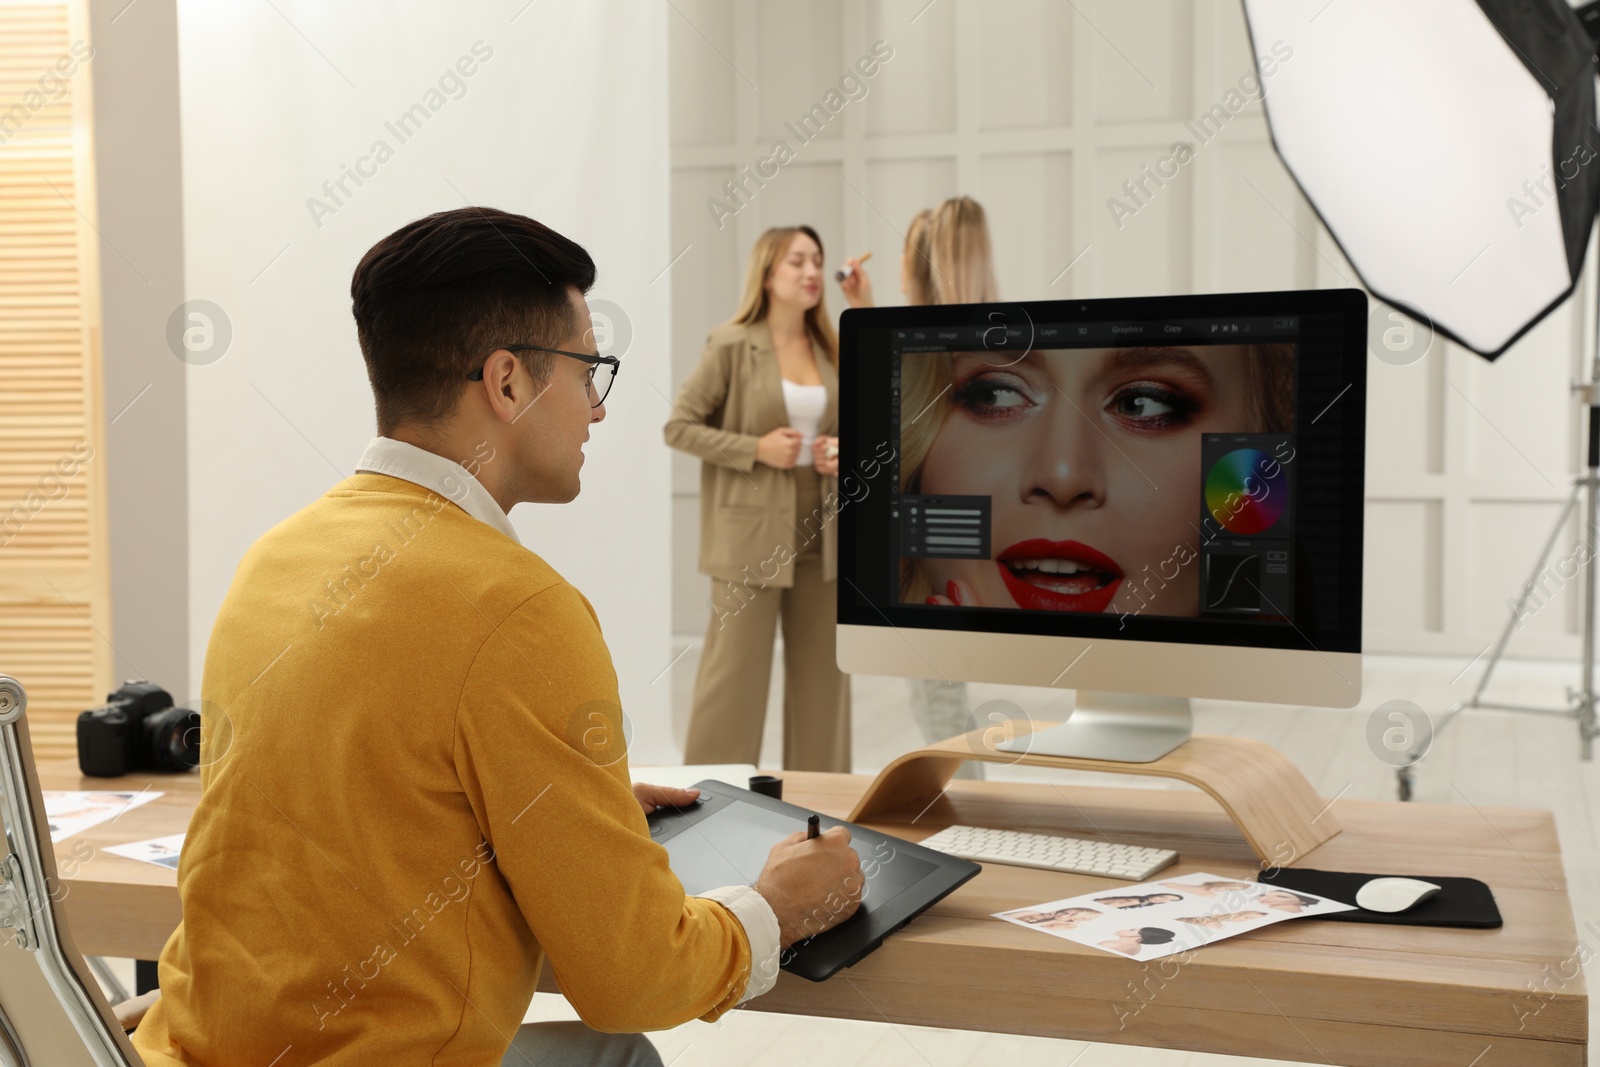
1484	758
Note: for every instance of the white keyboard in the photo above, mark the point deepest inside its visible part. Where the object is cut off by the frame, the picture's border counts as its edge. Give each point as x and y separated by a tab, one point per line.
1050	852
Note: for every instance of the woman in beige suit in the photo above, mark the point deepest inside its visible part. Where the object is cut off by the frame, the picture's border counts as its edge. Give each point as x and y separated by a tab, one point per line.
759	411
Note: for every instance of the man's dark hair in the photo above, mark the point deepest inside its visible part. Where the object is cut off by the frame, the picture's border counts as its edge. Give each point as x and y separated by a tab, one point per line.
435	297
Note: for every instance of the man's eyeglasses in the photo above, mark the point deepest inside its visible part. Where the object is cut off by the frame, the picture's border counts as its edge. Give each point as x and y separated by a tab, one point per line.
602	369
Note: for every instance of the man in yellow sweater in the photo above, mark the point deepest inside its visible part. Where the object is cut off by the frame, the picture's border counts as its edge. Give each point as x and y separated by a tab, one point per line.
415	791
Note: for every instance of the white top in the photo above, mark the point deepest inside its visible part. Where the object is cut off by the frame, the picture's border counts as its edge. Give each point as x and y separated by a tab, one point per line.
805	404
455	483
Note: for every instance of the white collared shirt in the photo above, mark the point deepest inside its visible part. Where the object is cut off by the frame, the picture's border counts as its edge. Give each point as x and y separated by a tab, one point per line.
456	484
444	476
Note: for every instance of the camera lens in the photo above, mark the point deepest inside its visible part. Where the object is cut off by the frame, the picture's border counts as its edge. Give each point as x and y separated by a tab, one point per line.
172	739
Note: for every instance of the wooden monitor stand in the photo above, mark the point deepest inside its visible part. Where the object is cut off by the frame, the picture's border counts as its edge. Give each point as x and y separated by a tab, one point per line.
1265	795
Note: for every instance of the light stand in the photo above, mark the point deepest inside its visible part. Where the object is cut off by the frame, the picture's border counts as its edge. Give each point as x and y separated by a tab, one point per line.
1494	95
1581	702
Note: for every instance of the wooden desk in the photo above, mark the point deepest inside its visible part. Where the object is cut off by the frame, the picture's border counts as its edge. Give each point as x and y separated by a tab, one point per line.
1318	991
117	906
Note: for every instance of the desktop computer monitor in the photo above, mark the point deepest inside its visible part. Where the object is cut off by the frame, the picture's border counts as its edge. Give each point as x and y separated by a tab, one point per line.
1142	500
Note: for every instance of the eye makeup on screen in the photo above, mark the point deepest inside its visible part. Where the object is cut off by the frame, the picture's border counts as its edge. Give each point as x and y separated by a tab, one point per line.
1147	390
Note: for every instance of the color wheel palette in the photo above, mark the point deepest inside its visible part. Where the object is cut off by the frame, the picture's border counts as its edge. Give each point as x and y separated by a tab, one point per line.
1247	491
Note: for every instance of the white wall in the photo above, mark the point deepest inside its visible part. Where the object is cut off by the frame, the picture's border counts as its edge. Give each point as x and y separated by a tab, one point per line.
139	212
565	121
1041	110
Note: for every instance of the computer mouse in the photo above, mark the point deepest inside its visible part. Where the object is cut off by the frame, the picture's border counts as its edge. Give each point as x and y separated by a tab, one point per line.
1394	894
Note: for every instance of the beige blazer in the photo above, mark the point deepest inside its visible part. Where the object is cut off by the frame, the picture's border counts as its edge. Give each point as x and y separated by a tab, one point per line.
748	525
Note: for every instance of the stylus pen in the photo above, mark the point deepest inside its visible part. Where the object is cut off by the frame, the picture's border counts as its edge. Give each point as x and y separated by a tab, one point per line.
812	823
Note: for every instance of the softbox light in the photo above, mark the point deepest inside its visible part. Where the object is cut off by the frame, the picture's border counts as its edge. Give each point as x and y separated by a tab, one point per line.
1449	146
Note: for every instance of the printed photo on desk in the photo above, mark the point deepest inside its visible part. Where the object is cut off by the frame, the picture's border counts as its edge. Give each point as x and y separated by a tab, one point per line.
161	851
73	811
1156	919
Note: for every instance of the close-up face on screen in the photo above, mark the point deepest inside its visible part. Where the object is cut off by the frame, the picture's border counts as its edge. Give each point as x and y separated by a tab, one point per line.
1150	480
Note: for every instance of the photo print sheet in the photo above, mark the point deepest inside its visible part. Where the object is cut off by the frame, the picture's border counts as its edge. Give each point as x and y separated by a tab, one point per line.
71	811
1178	914
162	851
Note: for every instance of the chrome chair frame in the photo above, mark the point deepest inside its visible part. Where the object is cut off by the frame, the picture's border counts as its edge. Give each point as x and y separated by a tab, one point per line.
29	893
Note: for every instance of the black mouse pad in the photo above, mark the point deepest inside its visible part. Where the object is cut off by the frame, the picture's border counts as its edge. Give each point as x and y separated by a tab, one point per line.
1459	902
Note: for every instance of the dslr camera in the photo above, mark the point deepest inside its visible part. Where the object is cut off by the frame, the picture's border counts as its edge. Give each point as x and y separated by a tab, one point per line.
139	730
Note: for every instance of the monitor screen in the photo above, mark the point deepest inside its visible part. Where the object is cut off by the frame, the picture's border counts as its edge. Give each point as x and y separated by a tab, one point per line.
1174	469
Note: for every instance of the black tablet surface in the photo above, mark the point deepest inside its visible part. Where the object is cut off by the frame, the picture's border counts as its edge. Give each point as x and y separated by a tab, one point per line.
725	838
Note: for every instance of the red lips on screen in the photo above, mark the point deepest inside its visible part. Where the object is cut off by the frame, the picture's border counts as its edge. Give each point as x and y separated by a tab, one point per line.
1059	575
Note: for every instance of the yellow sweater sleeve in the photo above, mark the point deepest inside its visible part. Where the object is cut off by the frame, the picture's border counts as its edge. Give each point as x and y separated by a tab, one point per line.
540	748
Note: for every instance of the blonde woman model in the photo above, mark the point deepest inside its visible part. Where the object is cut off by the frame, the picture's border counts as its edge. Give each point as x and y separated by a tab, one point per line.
759	411
946	260
1114	423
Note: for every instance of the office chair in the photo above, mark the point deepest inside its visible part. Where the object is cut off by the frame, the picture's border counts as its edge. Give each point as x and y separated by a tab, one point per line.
52	1011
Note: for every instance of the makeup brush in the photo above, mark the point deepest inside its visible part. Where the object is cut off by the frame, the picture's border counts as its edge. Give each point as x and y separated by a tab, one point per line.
844	272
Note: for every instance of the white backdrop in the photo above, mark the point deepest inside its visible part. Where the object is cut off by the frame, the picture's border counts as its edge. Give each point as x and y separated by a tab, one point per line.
563	117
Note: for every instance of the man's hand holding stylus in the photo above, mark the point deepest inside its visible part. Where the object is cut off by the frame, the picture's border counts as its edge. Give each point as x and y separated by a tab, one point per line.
812	885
